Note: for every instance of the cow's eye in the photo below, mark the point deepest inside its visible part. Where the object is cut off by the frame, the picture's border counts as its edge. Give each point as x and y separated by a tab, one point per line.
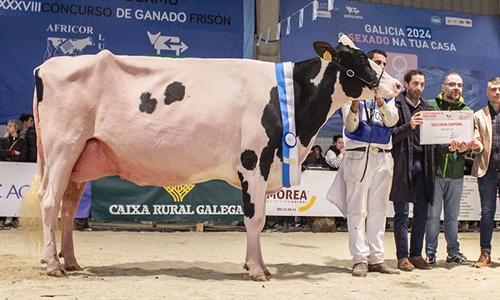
363	58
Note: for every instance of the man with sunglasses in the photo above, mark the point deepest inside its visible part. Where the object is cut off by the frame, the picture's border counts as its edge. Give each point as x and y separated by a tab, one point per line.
449	179
367	141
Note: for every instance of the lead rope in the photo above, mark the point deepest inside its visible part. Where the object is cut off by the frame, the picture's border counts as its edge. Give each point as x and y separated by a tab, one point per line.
369	118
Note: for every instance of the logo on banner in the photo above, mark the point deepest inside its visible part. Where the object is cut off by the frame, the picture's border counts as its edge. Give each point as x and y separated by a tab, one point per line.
436	19
179	192
65	46
458	22
167	43
353	13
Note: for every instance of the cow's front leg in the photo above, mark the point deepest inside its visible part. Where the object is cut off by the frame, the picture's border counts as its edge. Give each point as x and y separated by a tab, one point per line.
255	215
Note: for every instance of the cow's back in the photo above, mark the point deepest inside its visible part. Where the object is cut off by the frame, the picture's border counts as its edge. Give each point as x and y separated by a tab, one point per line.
163	120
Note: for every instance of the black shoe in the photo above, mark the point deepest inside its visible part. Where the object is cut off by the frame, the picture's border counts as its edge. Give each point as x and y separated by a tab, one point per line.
458	258
431	259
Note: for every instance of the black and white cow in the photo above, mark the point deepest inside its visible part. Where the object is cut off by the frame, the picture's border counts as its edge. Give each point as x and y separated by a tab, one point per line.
162	121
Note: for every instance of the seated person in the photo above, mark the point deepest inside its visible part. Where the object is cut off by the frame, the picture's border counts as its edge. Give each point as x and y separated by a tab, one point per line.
315	158
335	154
13	147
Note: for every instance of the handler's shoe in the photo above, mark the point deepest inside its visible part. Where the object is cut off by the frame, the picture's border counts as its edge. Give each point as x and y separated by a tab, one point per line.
360	270
431	259
483	261
405	265
458	258
382	268
420	263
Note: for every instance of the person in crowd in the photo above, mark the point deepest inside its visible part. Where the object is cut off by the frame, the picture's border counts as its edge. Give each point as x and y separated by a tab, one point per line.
486	167
449	179
414	170
27	121
335	154
13	147
315	157
367	140
30	138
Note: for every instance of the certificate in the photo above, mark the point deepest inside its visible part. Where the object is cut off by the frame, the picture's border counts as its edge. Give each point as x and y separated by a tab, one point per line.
440	127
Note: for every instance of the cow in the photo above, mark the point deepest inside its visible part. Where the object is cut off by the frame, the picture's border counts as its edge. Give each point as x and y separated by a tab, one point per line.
172	121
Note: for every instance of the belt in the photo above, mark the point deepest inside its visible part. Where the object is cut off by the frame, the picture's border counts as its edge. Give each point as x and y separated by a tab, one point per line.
372	149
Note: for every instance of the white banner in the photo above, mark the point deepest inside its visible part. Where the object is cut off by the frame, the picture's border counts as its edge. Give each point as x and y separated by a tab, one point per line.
15	179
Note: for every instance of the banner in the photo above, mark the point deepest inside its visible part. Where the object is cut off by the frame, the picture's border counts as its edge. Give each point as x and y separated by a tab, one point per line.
115	199
34	31
435	42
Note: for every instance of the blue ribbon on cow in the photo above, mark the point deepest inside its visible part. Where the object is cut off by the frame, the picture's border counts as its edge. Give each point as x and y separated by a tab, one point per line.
290	158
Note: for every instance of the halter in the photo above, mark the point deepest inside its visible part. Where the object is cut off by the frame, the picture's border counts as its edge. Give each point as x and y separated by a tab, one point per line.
350	73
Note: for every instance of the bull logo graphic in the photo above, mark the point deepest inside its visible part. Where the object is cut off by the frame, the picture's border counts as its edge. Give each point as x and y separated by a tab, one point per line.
179	192
167	43
64	46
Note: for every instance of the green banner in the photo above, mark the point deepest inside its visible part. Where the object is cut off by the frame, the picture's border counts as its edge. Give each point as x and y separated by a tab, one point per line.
115	199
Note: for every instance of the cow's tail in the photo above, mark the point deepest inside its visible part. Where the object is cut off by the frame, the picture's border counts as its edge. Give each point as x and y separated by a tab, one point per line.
30	211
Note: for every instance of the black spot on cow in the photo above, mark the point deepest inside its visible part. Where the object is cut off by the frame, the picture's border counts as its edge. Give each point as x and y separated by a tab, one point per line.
273	125
174	92
249	159
312	103
148	104
38	86
248	206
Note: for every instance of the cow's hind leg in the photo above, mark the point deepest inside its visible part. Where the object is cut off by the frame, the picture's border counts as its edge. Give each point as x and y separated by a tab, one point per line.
255	216
51	203
69	208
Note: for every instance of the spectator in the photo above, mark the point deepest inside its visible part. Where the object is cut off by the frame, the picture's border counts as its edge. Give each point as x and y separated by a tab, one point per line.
367	172
13	147
316	158
486	146
449	179
413	179
335	154
26	120
30	138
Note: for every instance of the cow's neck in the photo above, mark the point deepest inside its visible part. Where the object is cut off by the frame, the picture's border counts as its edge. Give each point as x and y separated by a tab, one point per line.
314	82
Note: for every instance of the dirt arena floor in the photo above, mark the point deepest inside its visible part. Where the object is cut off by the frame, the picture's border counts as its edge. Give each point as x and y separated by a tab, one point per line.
170	264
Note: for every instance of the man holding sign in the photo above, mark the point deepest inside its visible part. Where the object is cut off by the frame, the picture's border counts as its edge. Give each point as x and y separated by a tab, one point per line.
449	178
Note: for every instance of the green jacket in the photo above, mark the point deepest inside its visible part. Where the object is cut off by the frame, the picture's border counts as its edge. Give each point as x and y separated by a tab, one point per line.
449	165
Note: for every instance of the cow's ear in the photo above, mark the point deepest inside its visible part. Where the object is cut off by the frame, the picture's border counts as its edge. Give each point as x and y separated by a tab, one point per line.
324	50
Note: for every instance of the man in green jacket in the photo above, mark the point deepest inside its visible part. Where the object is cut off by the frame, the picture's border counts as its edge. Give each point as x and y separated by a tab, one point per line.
449	179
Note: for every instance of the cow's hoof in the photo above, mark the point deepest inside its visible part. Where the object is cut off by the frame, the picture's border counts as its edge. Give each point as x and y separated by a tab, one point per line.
57	273
70	268
266	271
259	278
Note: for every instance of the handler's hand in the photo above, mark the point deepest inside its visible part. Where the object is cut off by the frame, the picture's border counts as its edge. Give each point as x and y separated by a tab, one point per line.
354	106
416	120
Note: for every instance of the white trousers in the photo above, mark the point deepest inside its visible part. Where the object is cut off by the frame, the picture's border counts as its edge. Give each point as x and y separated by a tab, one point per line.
367	203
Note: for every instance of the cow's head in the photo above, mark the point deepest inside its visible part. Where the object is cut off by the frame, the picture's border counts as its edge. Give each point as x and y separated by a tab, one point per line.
360	77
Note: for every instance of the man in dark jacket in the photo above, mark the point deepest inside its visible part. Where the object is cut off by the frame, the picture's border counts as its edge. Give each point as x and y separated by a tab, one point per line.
449	179
413	179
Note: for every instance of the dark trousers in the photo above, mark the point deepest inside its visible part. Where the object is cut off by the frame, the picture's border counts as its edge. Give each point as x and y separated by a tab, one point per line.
401	212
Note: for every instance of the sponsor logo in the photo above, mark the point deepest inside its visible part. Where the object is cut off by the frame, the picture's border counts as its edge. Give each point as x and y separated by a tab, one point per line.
458	22
179	192
167	43
436	19
353	13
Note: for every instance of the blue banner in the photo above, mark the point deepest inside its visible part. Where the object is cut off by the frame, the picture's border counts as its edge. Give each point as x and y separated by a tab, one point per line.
33	31
435	42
